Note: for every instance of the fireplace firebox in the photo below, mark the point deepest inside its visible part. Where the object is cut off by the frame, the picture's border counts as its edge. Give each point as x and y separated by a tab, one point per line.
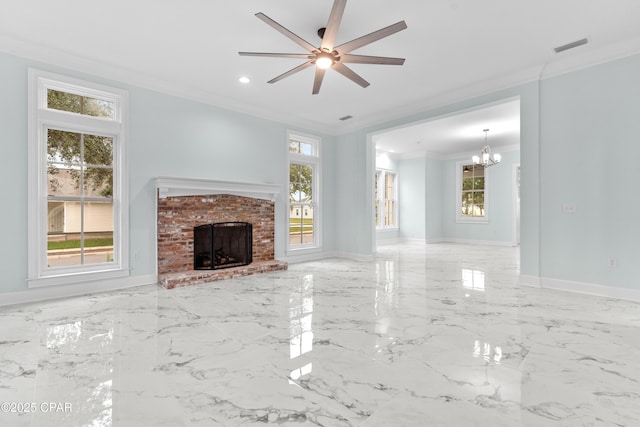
222	245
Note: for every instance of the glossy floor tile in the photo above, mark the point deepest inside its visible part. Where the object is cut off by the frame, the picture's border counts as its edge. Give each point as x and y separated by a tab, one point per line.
435	335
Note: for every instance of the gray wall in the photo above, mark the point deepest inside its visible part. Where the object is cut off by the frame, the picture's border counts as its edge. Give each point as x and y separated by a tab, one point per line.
428	201
579	144
168	136
589	155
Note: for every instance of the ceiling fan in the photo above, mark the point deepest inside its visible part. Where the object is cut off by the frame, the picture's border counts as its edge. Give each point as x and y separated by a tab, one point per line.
328	55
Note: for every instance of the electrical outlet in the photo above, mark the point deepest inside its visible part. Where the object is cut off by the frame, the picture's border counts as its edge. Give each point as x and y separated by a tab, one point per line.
569	208
612	263
136	256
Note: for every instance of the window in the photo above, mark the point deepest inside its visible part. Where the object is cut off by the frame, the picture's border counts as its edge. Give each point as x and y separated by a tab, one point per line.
304	200
77	202
472	192
386	199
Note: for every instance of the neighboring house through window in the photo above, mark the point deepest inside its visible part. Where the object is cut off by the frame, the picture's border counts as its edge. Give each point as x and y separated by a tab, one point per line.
386	188
77	180
304	195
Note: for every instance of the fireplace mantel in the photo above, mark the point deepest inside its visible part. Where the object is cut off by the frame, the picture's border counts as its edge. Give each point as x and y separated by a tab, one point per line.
176	187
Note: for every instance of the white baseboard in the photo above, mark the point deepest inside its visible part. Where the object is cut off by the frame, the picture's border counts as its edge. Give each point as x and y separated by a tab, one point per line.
353	255
312	256
530	281
435	240
581	288
76	289
476	242
397	241
328	254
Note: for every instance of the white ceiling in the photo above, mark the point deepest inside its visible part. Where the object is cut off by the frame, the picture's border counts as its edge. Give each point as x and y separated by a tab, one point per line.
454	134
454	49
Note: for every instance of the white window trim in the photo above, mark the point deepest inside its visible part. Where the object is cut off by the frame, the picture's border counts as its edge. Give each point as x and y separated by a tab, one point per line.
39	119
381	226
460	219
316	162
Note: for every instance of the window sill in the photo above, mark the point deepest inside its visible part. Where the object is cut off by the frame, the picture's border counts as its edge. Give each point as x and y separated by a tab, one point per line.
71	278
472	221
303	249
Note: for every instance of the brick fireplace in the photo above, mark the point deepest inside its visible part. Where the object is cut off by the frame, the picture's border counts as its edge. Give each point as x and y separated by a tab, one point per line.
183	204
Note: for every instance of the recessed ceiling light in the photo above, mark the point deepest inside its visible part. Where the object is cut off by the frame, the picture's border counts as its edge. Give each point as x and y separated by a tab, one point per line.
244	79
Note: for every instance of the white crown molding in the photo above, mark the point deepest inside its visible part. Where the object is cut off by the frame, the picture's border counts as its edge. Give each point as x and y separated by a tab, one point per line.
556	65
60	58
176	187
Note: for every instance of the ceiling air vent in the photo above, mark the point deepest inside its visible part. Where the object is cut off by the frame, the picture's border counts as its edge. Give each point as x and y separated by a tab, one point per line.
343	118
571	45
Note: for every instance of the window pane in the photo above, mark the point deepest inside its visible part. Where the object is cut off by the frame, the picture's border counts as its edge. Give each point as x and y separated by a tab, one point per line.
294	146
307	224
98	182
294	172
55	217
63	181
306	148
98	233
388	178
306	182
98	150
63	147
389	219
295	224
294	192
301	180
478	183
478	202
467	203
78	104
467	184
68	245
478	170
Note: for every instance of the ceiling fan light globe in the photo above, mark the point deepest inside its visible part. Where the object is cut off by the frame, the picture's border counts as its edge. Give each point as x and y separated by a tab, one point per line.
324	62
497	157
476	160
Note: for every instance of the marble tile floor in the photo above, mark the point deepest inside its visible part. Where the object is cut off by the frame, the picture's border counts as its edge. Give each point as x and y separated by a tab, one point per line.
424	335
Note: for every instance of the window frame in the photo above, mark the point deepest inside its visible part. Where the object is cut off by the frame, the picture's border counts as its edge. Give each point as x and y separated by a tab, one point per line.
41	118
315	161
461	219
381	211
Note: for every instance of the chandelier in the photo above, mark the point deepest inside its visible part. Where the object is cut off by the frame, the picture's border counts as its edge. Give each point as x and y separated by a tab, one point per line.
486	158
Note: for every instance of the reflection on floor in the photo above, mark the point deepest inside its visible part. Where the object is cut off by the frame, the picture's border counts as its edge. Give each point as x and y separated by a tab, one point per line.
436	335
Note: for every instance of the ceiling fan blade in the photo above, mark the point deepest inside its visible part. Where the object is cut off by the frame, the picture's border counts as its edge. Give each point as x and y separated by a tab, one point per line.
305	44
371	37
317	82
331	30
278	55
364	59
350	74
292	71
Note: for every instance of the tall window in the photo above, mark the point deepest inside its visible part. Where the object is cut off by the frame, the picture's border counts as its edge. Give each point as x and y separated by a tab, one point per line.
472	190
304	178
77	204
386	199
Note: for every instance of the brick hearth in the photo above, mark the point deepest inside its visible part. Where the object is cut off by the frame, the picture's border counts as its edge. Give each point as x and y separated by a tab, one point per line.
178	215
